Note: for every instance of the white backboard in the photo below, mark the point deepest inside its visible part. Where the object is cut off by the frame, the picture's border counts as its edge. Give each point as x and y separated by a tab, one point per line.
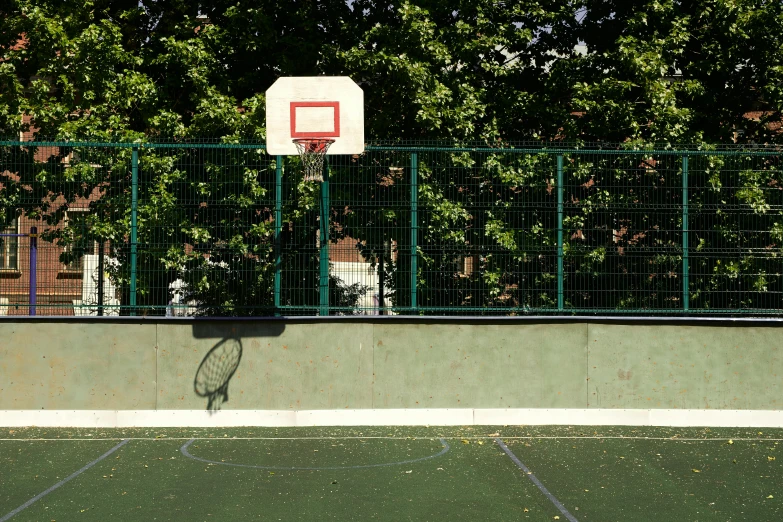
315	107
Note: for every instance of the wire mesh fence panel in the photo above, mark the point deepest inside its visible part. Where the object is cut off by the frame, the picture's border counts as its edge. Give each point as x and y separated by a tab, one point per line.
219	229
623	233
370	248
206	231
300	241
488	238
736	233
68	205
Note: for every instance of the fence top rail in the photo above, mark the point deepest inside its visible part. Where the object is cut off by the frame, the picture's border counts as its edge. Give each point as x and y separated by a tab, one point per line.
133	145
723	150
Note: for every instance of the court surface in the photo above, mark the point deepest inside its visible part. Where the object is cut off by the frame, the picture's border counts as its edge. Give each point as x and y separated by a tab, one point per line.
391	474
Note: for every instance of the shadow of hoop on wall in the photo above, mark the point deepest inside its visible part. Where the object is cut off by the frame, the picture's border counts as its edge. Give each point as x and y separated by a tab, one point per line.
222	361
216	370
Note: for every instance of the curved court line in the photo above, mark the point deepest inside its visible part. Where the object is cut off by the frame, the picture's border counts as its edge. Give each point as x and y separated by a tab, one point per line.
184	450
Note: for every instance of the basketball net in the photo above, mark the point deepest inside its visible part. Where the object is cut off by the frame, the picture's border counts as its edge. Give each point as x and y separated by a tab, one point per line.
313	151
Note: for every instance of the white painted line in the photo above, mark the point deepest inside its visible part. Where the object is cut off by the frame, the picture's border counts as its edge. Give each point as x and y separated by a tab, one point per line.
456	437
63	481
386	417
529	474
391	417
185	451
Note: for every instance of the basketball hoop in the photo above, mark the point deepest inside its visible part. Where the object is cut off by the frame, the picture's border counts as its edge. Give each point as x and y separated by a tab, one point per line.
312	151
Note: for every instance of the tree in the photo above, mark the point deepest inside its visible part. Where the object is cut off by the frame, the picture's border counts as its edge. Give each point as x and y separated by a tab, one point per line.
496	73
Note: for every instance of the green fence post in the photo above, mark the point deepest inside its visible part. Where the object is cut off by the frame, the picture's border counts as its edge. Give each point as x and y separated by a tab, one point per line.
414	230
685	268
324	240
560	190
134	226
278	230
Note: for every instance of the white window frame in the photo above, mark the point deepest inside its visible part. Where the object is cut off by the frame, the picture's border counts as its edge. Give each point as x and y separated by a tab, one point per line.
12	229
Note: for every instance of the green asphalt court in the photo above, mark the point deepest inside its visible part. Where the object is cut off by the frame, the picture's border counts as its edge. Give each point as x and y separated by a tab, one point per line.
392	474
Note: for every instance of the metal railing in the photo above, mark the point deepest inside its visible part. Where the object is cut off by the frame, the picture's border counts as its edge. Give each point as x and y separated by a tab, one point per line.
219	229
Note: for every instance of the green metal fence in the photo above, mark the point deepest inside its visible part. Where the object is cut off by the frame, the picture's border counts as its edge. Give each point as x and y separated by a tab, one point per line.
215	229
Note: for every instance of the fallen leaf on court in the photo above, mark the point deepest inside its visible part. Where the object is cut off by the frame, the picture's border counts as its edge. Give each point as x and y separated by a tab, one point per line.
409	471
770	496
587	490
146	466
465	441
770	459
730	442
622	457
557	517
481	443
440	469
696	470
271	472
525	510
734	461
529	472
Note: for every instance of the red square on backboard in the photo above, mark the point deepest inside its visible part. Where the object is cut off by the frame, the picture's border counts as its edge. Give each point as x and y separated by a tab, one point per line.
335	106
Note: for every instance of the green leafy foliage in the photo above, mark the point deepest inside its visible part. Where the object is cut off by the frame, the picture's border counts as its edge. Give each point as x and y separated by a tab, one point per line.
632	72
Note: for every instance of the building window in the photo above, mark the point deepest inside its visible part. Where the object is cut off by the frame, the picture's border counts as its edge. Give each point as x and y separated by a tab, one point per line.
9	247
467	265
77	243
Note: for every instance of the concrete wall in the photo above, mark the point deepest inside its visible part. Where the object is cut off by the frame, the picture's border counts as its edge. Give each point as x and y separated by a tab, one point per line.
376	364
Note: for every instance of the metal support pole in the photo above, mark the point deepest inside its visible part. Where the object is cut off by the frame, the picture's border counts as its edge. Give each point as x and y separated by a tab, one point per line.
33	268
134	226
381	273
414	231
324	243
560	190
278	230
685	268
100	278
